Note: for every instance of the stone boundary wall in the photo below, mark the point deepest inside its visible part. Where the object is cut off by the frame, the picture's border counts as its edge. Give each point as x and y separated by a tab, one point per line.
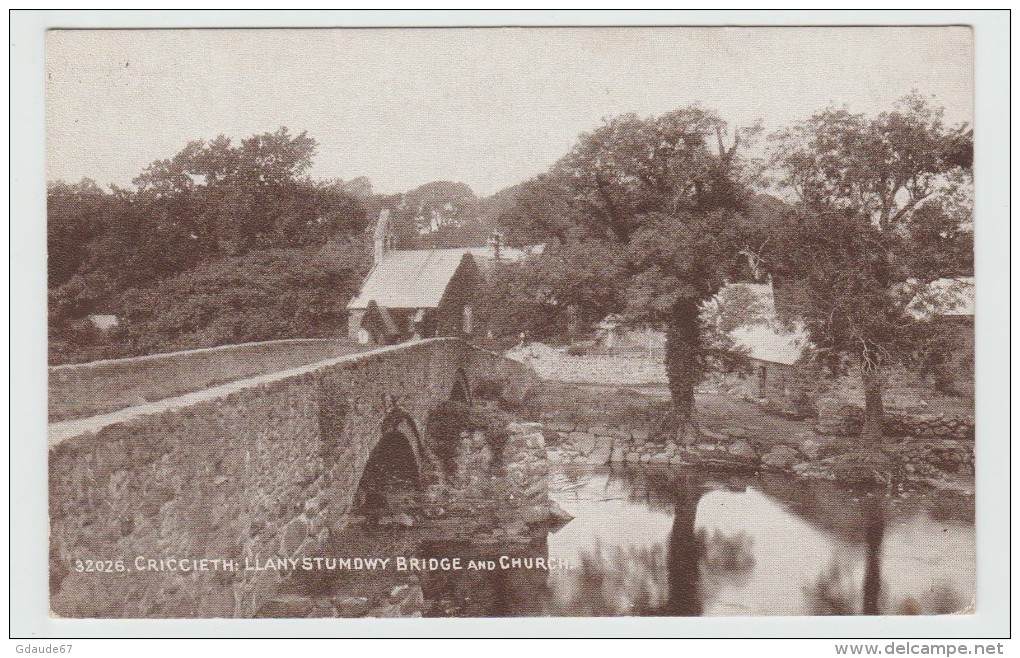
86	389
254	469
555	365
590	443
849	419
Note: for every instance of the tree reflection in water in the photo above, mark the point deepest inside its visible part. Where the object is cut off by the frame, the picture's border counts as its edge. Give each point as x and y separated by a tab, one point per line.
874	529
757	545
663	579
835	592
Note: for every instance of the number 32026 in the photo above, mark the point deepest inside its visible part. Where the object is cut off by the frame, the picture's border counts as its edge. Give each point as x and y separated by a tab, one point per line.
99	566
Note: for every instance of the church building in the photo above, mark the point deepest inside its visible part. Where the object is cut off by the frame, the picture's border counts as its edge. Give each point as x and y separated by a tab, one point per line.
411	294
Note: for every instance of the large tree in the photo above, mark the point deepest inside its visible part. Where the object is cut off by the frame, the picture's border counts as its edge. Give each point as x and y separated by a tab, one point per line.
663	196
214	200
880	218
253	194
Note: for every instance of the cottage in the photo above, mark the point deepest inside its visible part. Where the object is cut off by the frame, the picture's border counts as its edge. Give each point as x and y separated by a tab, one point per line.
412	294
951	302
783	376
777	346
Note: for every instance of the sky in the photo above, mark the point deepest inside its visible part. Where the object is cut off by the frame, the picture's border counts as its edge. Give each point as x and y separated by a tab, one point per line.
487	107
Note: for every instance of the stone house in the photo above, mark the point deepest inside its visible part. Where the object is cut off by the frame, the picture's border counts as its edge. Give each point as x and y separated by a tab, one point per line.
411	294
789	380
951	301
782	375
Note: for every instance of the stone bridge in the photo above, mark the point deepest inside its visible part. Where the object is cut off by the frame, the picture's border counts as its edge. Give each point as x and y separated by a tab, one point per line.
267	466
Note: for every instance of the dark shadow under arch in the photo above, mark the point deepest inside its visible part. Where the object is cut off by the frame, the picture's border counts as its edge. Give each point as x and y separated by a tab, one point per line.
393	470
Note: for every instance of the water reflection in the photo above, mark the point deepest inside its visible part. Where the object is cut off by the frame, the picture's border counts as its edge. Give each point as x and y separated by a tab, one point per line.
665	543
681	545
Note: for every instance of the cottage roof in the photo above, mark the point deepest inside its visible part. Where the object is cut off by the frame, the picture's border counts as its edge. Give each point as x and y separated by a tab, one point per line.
766	342
945	297
768	339
410	279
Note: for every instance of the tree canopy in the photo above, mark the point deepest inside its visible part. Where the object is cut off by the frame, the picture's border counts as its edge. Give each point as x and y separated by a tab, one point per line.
883	213
111	248
649	218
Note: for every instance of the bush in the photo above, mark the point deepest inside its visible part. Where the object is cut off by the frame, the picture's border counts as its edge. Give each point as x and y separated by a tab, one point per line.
451	419
263	295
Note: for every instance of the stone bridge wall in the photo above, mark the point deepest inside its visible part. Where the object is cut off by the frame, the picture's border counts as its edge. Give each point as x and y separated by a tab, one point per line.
253	469
87	389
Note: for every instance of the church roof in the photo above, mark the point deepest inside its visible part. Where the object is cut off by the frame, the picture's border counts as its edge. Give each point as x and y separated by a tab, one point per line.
410	279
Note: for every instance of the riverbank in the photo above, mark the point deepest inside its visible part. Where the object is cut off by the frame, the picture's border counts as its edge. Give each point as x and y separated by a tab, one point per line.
598	425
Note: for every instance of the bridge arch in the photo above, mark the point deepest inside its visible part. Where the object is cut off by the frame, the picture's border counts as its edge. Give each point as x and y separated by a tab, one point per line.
393	471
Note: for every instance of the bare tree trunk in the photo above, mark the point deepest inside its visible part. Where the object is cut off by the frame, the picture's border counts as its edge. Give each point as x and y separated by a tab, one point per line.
683	344
874	411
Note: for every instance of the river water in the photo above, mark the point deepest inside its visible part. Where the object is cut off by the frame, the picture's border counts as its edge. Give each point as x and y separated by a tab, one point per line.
664	542
653	542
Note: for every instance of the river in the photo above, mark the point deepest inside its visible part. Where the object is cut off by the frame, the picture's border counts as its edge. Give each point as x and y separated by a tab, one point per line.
653	542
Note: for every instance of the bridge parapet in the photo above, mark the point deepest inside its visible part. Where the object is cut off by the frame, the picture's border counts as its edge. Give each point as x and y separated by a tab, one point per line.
257	468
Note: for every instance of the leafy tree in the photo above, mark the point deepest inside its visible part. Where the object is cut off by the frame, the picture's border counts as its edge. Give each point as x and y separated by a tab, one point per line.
541	212
234	198
738	305
533	296
73	213
662	201
264	295
876	219
212	201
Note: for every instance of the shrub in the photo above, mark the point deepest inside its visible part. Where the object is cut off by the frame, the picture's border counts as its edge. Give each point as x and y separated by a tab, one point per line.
451	419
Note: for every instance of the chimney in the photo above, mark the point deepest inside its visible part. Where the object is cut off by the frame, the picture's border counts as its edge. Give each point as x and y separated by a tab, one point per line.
496	242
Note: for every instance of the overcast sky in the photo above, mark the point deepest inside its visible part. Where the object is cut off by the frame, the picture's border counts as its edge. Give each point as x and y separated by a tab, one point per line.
488	107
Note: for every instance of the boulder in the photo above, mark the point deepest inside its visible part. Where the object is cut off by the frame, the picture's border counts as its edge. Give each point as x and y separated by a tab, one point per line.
524	428
583	442
811	448
558	515
602	452
322	609
742	449
780	457
401	519
294	535
715	436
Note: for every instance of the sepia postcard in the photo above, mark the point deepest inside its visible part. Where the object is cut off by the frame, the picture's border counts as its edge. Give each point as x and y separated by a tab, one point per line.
492	322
